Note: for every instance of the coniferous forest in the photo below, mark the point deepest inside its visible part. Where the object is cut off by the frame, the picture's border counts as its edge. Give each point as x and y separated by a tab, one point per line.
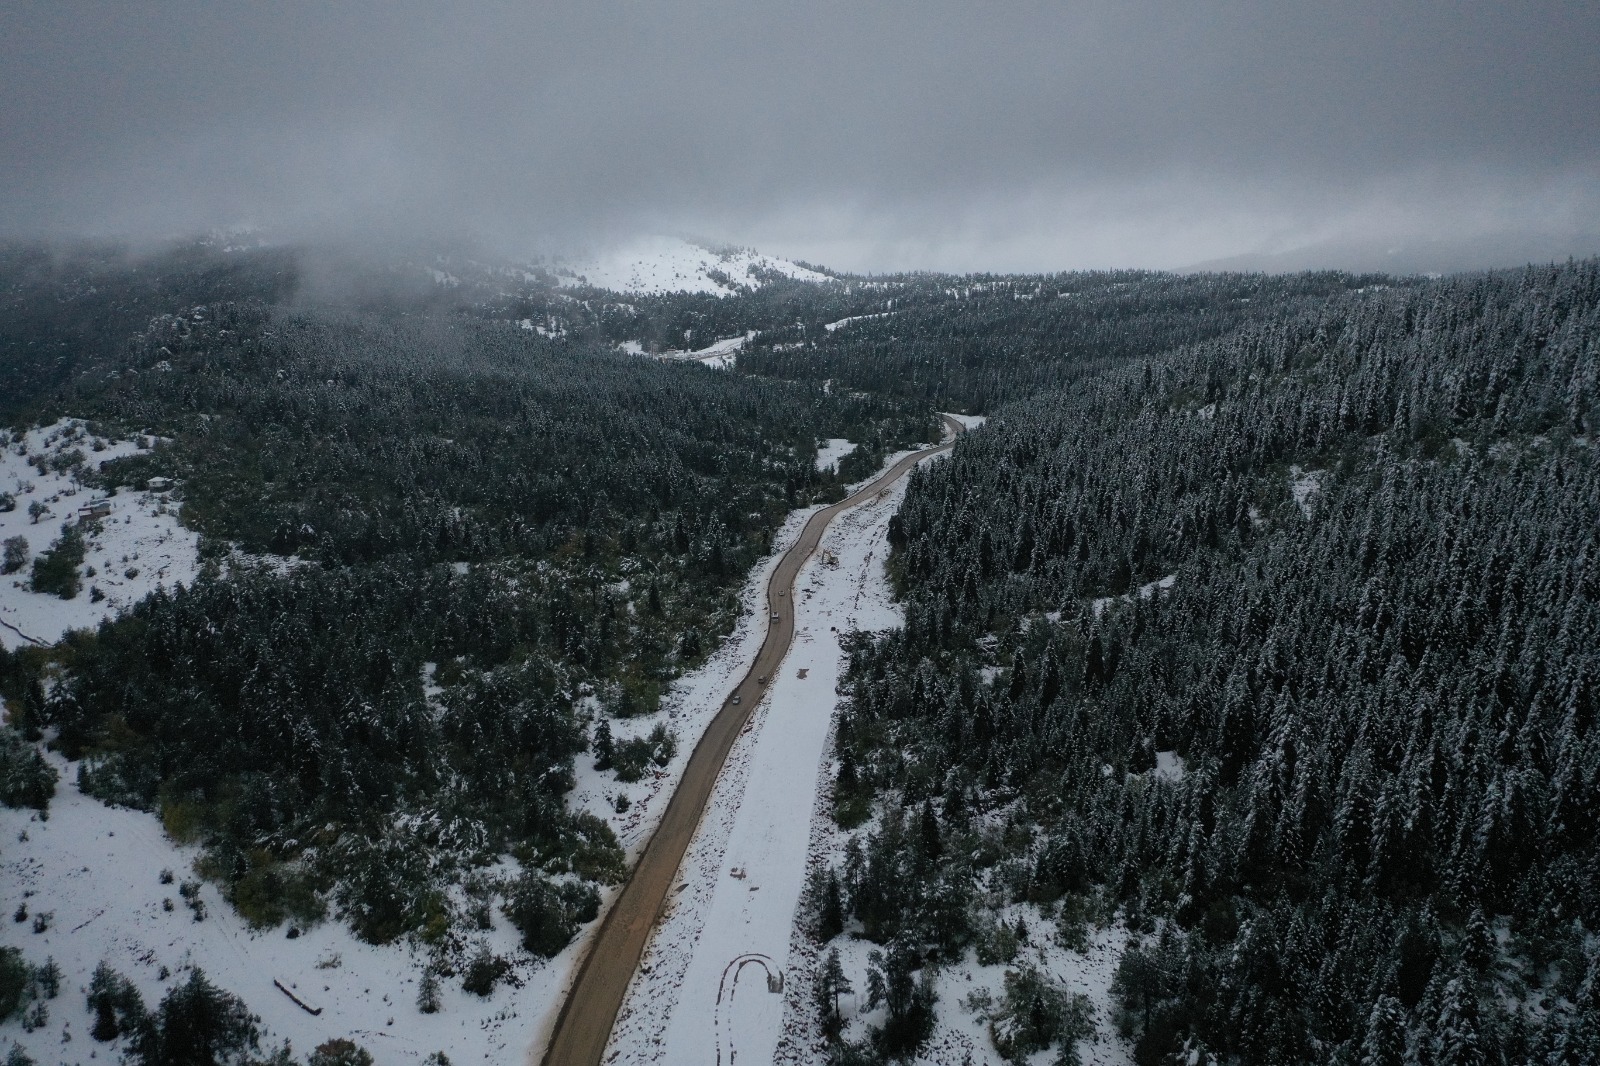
1283	646
1261	617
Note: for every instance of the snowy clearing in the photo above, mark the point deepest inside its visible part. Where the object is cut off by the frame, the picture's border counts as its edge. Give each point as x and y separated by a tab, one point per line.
961	1034
98	871
729	926
722	354
136	545
549	327
1098	606
1169	766
719	355
1303	486
831	326
832	450
671	264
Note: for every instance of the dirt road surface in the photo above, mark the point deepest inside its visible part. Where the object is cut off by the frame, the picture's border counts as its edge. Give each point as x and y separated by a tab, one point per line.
590	1009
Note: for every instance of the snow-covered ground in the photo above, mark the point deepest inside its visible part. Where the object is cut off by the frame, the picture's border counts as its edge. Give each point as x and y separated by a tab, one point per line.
136	546
832	450
718	355
1098	606
97	870
831	326
723	354
549	326
671	264
961	1034
703	983
1303	486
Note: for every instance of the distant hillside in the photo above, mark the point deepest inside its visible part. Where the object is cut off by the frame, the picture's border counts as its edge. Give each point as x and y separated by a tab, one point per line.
656	265
1401	255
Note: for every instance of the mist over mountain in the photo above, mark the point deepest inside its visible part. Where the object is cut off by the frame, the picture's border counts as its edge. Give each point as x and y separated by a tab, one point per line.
895	137
1418	255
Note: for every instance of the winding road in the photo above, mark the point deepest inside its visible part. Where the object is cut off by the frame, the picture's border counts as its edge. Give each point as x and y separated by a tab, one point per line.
583	1027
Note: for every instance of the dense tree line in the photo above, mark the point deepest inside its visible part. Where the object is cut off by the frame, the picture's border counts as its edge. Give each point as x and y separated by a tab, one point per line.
67	311
352	438
1340	771
970	343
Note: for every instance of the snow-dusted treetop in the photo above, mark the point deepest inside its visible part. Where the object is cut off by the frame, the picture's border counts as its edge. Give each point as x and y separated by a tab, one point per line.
671	264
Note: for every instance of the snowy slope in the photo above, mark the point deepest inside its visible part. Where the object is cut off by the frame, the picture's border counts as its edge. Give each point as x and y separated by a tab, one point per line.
97	871
831	326
134	548
671	264
720	354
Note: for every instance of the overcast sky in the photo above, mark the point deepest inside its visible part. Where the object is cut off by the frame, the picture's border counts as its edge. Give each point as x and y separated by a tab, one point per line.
864	135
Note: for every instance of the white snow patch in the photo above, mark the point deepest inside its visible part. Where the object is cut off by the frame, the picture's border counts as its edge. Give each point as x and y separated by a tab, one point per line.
961	1029
1169	766
722	354
719	355
831	326
550	327
972	422
1303	485
671	264
138	545
1143	592
832	451
98	870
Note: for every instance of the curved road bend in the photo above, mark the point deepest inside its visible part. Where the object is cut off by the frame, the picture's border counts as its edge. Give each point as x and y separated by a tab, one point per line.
583	1027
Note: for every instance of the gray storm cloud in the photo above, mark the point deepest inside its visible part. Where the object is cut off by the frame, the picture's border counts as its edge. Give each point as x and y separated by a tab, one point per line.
865	135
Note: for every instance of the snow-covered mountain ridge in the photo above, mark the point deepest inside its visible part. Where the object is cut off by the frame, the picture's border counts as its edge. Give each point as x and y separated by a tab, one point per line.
655	265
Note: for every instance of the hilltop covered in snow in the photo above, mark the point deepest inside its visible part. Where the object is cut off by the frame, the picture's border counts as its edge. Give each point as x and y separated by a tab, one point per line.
670	264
